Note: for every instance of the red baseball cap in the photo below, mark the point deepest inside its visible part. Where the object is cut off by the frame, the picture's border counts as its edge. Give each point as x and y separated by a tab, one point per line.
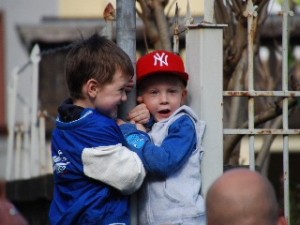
158	62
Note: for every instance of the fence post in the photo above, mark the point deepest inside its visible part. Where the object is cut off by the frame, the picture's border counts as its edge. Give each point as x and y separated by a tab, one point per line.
204	60
26	144
126	39
34	153
11	122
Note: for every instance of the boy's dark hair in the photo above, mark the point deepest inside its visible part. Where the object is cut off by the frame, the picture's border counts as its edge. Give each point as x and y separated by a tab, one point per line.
96	57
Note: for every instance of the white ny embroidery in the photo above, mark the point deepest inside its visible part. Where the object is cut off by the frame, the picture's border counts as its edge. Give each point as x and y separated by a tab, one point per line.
161	59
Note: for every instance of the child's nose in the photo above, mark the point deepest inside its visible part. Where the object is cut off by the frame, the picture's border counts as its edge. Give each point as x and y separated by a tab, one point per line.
163	98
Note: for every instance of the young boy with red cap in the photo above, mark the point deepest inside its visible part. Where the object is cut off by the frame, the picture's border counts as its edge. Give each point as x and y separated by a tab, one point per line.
170	193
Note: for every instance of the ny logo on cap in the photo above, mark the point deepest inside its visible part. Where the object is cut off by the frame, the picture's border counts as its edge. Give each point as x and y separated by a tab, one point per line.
161	59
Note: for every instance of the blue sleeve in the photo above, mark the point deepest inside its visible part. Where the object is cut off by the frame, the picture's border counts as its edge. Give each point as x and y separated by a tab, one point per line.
135	138
174	151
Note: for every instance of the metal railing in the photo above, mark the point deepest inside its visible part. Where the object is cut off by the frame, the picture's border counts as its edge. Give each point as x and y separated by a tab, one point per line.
251	94
27	154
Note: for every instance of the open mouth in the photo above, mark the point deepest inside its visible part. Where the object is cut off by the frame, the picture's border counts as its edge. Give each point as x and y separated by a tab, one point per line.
165	111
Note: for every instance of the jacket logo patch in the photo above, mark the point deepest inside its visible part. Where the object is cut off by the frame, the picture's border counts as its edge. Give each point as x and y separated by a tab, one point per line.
136	141
60	162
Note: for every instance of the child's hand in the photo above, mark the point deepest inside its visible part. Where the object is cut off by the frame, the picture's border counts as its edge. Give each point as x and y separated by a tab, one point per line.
140	114
140	127
120	122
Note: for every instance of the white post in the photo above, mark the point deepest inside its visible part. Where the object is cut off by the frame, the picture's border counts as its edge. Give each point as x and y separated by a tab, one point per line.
34	156
49	169
285	44
18	150
204	61
42	142
11	122
209	11
26	145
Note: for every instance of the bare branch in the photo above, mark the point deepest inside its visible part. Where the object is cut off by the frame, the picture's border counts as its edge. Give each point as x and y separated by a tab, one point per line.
156	23
162	25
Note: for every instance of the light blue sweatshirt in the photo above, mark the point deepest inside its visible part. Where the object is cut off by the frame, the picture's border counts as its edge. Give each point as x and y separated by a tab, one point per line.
170	193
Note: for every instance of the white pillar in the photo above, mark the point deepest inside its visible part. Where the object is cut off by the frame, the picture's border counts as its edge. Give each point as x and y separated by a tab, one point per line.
204	62
12	98
17	154
209	11
26	168
34	153
42	143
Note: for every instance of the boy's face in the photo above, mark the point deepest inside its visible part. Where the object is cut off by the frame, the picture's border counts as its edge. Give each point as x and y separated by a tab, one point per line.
109	96
163	96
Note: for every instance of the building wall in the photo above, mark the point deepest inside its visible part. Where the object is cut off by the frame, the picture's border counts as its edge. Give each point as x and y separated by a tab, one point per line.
82	9
17	12
94	8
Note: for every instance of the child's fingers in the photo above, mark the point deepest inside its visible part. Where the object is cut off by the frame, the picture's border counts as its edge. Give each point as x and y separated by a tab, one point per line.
139	117
140	114
140	127
120	122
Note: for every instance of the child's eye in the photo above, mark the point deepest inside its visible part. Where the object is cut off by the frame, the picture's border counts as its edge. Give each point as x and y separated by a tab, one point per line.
173	91
153	92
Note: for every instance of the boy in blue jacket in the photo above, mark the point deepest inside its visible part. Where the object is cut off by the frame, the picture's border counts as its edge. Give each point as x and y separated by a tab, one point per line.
170	193
94	171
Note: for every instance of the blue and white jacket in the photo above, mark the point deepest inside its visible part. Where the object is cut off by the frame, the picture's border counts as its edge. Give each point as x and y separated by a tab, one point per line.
171	191
93	172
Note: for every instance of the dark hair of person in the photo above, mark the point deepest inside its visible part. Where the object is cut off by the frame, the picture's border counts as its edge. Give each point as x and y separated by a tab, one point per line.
94	58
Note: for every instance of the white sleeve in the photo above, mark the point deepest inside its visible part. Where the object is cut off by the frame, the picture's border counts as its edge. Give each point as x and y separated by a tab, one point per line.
114	165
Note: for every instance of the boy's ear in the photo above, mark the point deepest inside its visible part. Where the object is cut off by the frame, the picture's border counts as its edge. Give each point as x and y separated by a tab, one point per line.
184	96
140	99
92	88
